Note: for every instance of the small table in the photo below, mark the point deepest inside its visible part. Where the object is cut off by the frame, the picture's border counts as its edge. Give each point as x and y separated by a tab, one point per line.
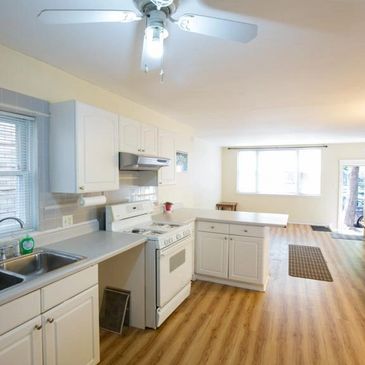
226	206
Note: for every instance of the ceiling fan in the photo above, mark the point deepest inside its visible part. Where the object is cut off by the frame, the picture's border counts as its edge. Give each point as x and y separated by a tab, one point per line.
156	14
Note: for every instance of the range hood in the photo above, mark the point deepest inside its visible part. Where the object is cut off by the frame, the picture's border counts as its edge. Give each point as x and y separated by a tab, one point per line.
132	162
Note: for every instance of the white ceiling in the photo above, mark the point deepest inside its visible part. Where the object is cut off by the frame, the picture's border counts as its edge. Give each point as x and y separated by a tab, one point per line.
302	80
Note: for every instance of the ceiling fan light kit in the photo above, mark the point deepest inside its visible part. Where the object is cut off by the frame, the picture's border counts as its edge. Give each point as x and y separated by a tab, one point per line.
162	3
156	14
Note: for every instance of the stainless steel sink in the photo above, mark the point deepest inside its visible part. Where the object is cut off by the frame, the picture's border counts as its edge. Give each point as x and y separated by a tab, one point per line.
7	280
39	262
22	268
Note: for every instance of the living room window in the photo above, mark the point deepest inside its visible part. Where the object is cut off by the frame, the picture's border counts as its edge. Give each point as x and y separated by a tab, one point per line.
291	171
16	171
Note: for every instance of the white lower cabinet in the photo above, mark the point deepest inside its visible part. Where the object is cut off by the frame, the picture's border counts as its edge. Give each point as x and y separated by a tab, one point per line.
245	259
22	345
240	260
212	254
71	331
59	324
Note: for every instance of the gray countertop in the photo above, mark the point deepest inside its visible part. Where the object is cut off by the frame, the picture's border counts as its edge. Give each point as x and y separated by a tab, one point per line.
96	247
188	215
99	246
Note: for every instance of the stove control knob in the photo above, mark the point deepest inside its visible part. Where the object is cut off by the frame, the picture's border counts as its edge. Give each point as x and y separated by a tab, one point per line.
178	236
166	242
171	240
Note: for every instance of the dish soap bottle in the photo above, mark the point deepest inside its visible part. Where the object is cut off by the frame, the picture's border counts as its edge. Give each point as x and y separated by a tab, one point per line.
26	245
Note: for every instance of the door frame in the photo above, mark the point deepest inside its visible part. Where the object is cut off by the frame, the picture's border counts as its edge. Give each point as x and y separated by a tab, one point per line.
342	164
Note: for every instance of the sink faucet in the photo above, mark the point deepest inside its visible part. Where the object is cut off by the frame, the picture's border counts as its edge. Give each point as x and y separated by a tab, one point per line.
21	223
3	249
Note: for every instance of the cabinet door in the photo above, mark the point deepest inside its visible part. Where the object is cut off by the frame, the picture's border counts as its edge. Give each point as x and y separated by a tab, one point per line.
71	331
245	259
129	135
97	149
22	345
166	145
149	140
212	254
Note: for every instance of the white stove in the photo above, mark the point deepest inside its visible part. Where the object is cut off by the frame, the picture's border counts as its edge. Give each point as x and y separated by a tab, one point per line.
168	257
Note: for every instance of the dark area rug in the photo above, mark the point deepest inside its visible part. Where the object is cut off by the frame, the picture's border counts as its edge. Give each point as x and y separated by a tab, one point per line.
321	229
308	262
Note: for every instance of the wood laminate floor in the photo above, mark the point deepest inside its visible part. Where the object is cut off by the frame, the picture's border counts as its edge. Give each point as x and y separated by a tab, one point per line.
297	321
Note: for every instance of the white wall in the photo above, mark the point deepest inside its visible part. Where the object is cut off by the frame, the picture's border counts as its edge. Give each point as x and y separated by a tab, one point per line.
201	185
207	171
320	210
29	76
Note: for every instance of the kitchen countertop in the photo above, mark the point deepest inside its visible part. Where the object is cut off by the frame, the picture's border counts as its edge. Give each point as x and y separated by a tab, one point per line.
189	215
96	247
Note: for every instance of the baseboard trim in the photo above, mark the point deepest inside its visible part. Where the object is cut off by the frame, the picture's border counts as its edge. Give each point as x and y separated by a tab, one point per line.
250	286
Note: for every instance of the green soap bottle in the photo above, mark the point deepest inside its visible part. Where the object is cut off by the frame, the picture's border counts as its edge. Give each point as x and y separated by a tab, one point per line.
26	245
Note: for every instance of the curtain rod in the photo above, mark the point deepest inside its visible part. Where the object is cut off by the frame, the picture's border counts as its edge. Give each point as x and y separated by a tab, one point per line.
277	147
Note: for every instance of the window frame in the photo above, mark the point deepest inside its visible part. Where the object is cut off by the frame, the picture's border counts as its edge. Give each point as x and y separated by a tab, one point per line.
298	193
32	172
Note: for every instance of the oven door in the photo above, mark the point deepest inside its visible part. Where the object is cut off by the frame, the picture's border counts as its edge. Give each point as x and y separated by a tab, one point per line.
173	270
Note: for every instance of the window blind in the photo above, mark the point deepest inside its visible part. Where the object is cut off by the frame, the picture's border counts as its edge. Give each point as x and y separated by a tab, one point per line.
16	171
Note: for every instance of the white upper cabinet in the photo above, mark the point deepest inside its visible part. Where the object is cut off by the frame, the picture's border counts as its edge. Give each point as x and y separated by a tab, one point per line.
149	139
138	138
166	144
129	135
83	148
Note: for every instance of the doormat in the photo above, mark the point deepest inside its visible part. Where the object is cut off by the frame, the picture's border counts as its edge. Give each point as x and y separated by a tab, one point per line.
340	236
321	229
308	262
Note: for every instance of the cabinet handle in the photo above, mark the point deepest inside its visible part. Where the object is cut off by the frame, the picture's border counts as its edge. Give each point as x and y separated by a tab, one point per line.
212	227
245	230
38	327
225	238
82	188
50	320
231	239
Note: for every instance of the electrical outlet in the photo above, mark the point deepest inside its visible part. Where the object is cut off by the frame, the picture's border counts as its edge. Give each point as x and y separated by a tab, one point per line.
67	220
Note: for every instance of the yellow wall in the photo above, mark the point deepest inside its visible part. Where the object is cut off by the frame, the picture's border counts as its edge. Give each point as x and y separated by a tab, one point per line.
313	210
29	76
35	78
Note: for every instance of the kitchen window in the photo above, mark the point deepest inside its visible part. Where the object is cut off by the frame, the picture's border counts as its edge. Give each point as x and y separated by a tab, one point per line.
294	171
16	171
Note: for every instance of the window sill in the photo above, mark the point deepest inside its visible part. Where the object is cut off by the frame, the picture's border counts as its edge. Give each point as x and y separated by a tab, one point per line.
281	195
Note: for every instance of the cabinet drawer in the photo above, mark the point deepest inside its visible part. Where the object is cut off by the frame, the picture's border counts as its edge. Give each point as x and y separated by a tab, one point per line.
20	310
213	227
64	289
243	230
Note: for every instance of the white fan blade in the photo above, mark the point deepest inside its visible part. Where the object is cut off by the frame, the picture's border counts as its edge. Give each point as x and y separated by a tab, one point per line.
216	27
79	16
148	61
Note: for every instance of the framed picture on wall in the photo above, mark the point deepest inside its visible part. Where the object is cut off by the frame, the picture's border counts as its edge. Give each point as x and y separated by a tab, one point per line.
181	161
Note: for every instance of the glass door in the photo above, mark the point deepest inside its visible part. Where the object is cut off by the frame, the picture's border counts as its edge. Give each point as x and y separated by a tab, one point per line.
351	202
